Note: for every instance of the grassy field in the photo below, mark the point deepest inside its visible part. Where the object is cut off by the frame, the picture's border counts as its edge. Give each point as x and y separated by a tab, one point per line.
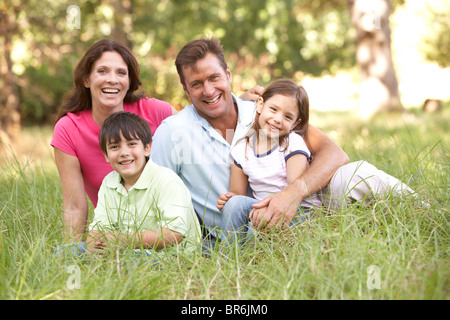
391	249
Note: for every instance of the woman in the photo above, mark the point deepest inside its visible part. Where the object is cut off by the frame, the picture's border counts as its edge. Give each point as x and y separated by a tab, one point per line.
105	81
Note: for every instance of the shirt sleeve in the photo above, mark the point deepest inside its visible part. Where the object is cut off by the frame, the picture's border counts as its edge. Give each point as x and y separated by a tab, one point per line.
165	147
296	146
175	208
61	136
237	153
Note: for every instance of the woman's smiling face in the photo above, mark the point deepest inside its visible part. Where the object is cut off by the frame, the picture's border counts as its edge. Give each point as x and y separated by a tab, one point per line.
108	81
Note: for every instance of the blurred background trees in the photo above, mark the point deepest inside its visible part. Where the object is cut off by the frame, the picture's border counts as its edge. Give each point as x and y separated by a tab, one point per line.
41	42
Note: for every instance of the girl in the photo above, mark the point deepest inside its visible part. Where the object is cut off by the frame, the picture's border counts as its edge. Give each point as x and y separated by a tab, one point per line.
270	156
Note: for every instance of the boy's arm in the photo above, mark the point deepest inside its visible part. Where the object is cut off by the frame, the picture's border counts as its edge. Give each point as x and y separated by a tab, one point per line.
176	216
157	239
97	241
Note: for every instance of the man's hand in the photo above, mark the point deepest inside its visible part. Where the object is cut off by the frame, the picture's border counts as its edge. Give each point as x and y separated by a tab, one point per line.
253	94
259	218
275	210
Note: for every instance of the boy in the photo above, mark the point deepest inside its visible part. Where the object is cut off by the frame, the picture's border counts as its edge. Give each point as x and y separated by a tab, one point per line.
140	205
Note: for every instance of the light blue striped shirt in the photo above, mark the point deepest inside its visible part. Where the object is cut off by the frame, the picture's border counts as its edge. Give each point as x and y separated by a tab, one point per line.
192	148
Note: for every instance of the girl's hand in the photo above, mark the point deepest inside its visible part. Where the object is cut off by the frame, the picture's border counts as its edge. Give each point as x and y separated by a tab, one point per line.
257	218
223	198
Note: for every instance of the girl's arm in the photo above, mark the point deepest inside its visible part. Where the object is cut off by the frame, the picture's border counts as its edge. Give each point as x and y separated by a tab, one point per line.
238	180
295	167
327	158
238	185
75	205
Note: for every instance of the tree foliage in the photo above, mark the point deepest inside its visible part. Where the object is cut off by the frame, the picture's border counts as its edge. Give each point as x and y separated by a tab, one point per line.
262	39
437	41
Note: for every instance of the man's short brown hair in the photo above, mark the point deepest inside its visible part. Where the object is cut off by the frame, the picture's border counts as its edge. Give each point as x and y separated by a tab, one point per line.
196	50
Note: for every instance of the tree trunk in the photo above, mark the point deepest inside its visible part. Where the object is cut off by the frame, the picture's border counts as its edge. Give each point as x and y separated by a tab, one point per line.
123	24
379	86
9	96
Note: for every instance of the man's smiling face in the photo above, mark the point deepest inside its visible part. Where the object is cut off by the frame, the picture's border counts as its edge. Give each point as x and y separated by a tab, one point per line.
208	86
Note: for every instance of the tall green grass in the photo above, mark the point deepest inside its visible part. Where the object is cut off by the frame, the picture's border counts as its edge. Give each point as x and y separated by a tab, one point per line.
327	258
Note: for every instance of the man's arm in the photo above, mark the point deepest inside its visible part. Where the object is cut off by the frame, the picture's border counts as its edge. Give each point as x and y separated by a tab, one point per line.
282	207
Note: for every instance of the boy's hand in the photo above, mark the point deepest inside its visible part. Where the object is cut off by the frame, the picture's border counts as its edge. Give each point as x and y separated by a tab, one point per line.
223	198
94	242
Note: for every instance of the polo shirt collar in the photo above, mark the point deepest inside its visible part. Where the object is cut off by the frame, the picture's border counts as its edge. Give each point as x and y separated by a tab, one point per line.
245	116
115	181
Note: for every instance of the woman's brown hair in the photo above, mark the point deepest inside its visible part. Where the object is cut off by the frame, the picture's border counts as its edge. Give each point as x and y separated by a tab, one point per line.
80	97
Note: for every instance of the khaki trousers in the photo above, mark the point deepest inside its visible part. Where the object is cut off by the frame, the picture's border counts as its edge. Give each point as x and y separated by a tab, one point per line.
360	181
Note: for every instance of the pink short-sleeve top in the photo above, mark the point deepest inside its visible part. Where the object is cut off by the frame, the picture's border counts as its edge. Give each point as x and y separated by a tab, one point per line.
77	134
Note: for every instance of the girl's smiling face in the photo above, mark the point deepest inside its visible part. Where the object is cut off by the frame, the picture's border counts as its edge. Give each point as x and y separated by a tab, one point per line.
277	116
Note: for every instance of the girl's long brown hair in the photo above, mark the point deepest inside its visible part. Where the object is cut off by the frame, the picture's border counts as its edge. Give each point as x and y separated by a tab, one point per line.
288	88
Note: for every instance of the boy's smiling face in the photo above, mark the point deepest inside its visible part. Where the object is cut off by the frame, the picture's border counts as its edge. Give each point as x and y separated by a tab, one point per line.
128	158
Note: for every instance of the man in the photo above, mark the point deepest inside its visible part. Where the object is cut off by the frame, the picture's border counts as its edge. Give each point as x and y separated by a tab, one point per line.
196	144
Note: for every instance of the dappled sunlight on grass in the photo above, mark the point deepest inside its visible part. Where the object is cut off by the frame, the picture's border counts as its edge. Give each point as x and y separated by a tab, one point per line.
327	258
32	145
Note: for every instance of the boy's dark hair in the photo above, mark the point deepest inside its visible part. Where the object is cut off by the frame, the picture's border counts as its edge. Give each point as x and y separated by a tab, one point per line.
132	126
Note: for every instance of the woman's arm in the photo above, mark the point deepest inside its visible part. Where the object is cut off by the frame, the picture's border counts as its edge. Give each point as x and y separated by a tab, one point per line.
327	158
75	206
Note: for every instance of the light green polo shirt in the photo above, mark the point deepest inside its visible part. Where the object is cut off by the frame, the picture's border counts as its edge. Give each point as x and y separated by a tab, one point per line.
159	199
